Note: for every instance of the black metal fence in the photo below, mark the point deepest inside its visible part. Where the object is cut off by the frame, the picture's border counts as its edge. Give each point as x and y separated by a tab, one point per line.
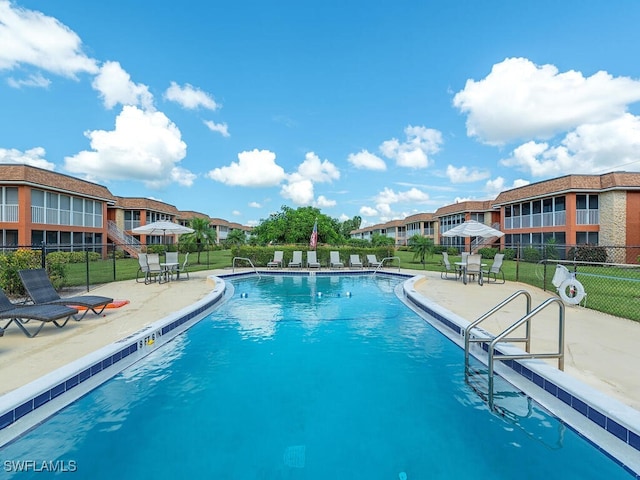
77	266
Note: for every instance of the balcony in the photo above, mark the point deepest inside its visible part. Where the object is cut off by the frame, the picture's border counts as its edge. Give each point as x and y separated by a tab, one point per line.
8	213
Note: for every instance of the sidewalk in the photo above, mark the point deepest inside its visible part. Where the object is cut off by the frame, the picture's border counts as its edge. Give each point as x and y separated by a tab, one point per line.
601	350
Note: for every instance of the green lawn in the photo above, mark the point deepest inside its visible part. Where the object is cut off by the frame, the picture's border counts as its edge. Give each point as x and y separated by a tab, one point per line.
609	289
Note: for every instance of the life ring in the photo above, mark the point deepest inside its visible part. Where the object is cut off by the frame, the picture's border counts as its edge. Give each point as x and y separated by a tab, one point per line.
576	290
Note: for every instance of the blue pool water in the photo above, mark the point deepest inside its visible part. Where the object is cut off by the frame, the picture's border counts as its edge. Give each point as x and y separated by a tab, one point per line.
304	378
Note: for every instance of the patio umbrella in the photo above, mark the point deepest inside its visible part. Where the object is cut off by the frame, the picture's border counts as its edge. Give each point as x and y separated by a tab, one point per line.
162	228
472	228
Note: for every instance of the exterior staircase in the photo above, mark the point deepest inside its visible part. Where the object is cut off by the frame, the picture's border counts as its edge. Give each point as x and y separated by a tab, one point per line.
481	242
128	243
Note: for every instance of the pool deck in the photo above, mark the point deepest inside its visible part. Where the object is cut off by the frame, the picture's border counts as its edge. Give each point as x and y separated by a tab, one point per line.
601	350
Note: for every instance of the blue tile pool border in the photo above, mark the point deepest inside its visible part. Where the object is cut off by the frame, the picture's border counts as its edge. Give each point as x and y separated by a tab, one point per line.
99	366
627	434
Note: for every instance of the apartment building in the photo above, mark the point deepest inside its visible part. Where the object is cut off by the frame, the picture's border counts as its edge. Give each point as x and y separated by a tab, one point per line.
38	205
574	210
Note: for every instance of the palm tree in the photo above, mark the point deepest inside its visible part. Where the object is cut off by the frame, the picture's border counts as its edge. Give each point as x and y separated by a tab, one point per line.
421	246
202	235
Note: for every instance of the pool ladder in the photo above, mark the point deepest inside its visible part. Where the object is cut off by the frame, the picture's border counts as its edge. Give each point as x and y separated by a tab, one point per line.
474	334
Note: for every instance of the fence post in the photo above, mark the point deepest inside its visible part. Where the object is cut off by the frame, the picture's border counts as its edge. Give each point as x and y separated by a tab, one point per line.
113	246
86	257
43	259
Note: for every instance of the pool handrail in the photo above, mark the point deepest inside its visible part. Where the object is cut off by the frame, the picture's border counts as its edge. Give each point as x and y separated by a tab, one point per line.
233	265
382	263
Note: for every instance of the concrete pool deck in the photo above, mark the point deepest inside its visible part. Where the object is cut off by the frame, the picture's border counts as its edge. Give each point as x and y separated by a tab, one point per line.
600	350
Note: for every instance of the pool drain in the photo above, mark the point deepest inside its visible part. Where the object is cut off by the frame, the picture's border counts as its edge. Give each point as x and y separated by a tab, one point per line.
294	456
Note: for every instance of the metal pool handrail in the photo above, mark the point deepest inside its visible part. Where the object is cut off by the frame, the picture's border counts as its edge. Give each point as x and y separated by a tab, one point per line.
233	265
382	263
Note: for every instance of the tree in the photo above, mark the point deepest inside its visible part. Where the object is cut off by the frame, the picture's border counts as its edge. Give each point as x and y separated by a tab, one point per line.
235	238
379	240
295	226
421	247
350	225
202	235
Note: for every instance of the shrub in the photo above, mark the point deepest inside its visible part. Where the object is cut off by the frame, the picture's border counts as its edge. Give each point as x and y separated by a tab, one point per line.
531	255
11	262
488	252
509	253
588	253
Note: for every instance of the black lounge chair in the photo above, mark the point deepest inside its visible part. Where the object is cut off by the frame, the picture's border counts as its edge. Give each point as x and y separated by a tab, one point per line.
21	314
38	286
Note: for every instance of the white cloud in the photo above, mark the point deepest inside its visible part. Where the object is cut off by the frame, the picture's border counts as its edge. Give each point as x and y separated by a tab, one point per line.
323	202
252	223
591	148
236	213
33	157
115	87
521	100
300	184
255	168
299	191
464	175
412	195
315	170
255	205
144	146
368	212
35	80
31	38
414	152
218	127
496	186
366	160
190	97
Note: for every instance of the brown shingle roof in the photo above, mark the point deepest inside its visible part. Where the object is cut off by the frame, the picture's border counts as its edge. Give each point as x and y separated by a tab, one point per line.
142	203
464	207
39	177
568	183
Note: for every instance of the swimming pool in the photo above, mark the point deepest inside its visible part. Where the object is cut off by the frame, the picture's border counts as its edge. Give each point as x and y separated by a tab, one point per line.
305	377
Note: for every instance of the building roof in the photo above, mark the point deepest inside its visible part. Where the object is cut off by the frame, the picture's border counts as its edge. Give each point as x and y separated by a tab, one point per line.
419	217
464	207
142	203
571	183
16	174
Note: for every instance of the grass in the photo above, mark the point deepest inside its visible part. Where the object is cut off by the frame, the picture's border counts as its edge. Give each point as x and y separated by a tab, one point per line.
611	290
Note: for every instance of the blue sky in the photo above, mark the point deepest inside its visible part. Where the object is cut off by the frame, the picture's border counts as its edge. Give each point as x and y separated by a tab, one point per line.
377	109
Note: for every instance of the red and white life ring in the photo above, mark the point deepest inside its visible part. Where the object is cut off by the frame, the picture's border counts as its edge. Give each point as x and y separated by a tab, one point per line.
571	291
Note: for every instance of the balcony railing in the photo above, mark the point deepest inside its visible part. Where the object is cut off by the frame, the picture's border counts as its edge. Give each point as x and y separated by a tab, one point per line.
8	213
587	217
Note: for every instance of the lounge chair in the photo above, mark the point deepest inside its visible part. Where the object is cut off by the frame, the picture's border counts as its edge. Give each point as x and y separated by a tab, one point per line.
334	260
474	267
448	268
296	261
496	269
372	261
21	314
312	259
39	288
355	262
277	259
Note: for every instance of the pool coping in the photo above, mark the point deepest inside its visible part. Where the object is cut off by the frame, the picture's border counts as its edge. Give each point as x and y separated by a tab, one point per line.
612	425
25	407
